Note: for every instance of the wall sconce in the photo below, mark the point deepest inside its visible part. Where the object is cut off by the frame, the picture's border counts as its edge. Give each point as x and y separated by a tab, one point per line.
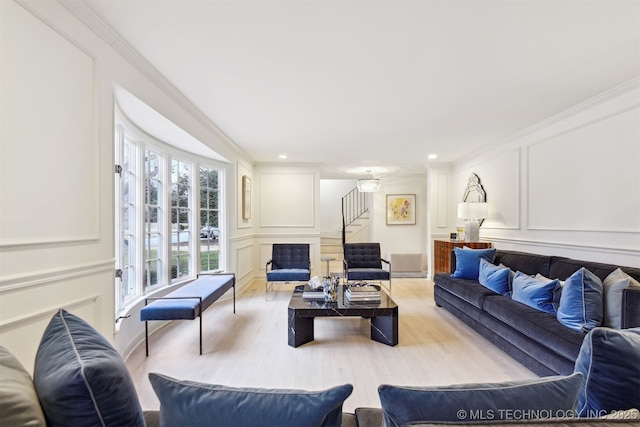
369	184
472	213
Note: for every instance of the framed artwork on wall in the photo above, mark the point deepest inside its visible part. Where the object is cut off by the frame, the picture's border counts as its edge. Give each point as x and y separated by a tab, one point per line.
246	197
401	209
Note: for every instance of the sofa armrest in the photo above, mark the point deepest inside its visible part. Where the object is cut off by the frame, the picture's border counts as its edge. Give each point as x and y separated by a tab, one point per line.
630	308
452	261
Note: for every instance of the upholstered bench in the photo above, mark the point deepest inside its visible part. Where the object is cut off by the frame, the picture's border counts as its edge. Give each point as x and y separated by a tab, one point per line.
188	302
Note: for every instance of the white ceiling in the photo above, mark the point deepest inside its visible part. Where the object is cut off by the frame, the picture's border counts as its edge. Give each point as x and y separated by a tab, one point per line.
380	83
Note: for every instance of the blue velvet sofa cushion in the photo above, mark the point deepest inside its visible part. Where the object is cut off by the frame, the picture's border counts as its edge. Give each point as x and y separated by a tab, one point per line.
468	261
581	303
537	293
610	361
542	397
468	290
81	379
536	325
189	403
494	277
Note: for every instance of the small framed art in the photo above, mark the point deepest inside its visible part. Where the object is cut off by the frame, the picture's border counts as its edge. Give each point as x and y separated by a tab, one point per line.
401	209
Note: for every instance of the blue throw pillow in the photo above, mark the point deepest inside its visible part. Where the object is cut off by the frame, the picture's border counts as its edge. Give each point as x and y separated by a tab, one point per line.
189	403
609	359
547	397
581	304
496	278
537	293
468	261
81	379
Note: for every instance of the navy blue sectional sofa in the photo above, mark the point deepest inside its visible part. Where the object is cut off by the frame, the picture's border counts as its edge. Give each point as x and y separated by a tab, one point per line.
534	338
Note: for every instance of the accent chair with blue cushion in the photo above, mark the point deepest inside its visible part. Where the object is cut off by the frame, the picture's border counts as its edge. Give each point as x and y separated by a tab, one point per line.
362	262
289	262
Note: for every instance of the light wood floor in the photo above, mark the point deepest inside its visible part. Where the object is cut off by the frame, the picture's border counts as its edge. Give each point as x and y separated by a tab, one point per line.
250	349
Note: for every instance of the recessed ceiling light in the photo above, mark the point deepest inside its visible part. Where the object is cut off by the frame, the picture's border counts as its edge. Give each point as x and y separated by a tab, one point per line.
432	156
282	156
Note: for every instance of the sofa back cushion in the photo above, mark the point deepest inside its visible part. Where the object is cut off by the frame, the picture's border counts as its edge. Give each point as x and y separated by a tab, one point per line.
190	403
19	405
81	379
562	268
548	396
527	263
609	359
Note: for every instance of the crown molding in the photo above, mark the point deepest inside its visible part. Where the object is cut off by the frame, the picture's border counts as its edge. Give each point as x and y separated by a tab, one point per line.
95	23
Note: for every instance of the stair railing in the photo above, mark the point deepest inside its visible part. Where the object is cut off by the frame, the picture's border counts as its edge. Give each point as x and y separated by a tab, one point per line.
354	205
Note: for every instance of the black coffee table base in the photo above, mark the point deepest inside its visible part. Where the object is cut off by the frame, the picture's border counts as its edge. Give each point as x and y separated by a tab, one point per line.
384	317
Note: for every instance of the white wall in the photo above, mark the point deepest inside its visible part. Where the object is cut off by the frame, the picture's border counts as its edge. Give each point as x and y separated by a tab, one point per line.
288	211
401	238
331	193
56	170
568	186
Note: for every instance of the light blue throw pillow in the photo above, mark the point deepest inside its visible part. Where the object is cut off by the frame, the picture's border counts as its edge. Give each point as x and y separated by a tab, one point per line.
554	396
189	403
609	359
496	278
537	293
614	285
581	304
81	379
468	261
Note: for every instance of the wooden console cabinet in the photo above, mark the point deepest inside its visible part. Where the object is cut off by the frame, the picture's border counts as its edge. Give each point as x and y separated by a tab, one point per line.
442	248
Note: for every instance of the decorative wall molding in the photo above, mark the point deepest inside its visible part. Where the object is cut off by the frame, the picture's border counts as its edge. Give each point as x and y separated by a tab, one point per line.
48	277
589	194
294	207
566	245
76	126
46	312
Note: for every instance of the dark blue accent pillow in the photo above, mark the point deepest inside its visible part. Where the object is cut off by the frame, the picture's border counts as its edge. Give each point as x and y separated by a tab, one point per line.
537	293
609	359
581	302
81	379
189	403
554	396
468	261
496	278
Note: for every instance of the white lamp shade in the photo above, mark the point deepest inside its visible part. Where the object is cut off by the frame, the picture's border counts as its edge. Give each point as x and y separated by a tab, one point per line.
478	210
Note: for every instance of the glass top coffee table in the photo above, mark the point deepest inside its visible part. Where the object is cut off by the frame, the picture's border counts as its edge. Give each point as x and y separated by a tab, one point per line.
302	312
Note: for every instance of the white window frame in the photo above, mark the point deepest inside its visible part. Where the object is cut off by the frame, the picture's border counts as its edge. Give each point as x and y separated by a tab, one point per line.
141	141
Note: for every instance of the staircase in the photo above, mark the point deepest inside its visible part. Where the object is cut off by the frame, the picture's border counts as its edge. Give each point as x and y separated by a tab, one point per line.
331	246
354	229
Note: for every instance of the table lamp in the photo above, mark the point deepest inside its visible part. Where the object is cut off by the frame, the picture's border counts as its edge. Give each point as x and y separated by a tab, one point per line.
472	213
